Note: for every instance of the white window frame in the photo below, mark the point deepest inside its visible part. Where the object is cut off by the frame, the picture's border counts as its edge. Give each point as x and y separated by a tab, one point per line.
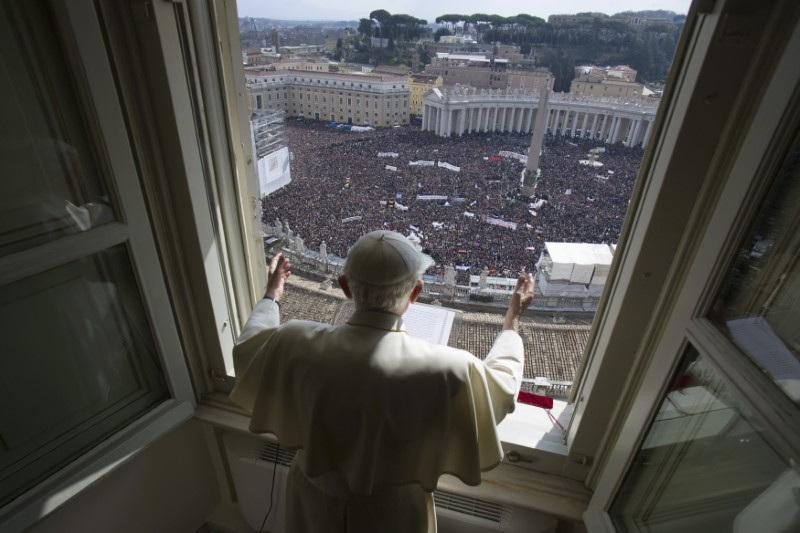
730	201
78	22
570	461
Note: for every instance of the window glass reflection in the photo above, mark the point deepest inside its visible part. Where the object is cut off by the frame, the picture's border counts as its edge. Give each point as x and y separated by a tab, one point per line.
704	465
50	182
759	306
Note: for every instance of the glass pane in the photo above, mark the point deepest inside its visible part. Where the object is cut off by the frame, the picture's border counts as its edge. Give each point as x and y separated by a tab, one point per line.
705	465
759	306
78	362
51	183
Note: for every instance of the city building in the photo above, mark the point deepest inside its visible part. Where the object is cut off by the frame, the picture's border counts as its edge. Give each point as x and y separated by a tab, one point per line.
485	72
452	111
457	39
356	98
614	82
312	64
419	85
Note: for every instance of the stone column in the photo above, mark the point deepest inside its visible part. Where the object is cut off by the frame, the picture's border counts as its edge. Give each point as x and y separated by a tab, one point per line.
585	123
574	128
647	131
503	113
603	128
636	131
615	132
461	121
594	126
449	121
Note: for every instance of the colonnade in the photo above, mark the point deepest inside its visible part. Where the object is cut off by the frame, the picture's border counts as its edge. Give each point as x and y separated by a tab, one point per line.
609	122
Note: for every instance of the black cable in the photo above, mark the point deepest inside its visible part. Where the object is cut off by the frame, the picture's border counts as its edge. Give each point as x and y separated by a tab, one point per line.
271	489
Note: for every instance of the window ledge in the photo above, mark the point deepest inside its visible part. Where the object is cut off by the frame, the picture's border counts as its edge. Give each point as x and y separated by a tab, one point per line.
92	466
508	484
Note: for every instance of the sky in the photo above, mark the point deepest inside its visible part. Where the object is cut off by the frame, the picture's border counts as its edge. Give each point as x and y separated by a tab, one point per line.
356	9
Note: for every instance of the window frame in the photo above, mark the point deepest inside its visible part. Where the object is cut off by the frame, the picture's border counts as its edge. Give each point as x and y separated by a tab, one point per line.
78	22
768	105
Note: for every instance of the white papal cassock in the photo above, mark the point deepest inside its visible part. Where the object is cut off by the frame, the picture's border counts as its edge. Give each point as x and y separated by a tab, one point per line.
378	415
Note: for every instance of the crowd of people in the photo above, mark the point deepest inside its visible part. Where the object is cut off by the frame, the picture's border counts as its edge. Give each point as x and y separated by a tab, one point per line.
338	176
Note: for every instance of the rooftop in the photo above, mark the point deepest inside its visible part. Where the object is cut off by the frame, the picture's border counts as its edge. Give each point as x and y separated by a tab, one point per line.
253	73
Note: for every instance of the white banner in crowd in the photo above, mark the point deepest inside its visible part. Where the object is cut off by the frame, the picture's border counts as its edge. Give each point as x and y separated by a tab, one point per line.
390	167
513	155
351	219
448	166
501	222
401	207
421	163
388	154
431	197
468	214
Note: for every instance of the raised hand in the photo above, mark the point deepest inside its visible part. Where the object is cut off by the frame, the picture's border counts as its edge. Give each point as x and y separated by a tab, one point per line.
279	271
520	300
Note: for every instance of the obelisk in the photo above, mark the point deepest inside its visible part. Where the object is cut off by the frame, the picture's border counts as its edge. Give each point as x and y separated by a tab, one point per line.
539	125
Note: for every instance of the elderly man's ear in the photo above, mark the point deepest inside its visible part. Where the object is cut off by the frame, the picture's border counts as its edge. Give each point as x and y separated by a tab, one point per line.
345	287
416	291
412	298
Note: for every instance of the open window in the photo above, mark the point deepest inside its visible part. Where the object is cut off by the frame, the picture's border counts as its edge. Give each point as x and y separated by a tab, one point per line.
324	176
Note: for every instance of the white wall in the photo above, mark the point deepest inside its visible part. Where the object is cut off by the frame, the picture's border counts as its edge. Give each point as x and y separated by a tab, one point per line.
170	486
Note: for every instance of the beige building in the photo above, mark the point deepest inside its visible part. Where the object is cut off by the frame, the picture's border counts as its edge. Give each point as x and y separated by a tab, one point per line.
355	98
607	88
307	64
488	75
611	82
595	73
419	85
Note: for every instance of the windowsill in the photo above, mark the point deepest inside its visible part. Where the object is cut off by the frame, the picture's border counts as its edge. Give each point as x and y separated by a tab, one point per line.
527	431
529	427
92	466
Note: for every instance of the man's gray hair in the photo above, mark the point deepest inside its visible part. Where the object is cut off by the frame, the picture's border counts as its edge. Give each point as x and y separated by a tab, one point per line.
388	298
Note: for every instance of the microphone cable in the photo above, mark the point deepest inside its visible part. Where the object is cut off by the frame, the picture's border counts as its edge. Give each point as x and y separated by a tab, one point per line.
271	489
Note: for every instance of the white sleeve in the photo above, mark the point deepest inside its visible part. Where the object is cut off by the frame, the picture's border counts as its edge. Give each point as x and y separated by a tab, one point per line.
503	367
264	320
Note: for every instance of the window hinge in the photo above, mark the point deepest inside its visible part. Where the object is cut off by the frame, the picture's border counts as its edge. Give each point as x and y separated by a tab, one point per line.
583	460
221	377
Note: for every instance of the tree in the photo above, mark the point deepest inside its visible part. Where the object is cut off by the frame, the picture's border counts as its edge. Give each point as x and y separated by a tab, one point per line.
366	28
337	55
440	32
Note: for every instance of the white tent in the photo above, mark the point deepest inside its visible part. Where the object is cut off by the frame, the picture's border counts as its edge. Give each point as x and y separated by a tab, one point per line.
583	263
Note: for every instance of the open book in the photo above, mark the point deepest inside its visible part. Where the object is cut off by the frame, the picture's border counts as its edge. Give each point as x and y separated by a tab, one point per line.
429	322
